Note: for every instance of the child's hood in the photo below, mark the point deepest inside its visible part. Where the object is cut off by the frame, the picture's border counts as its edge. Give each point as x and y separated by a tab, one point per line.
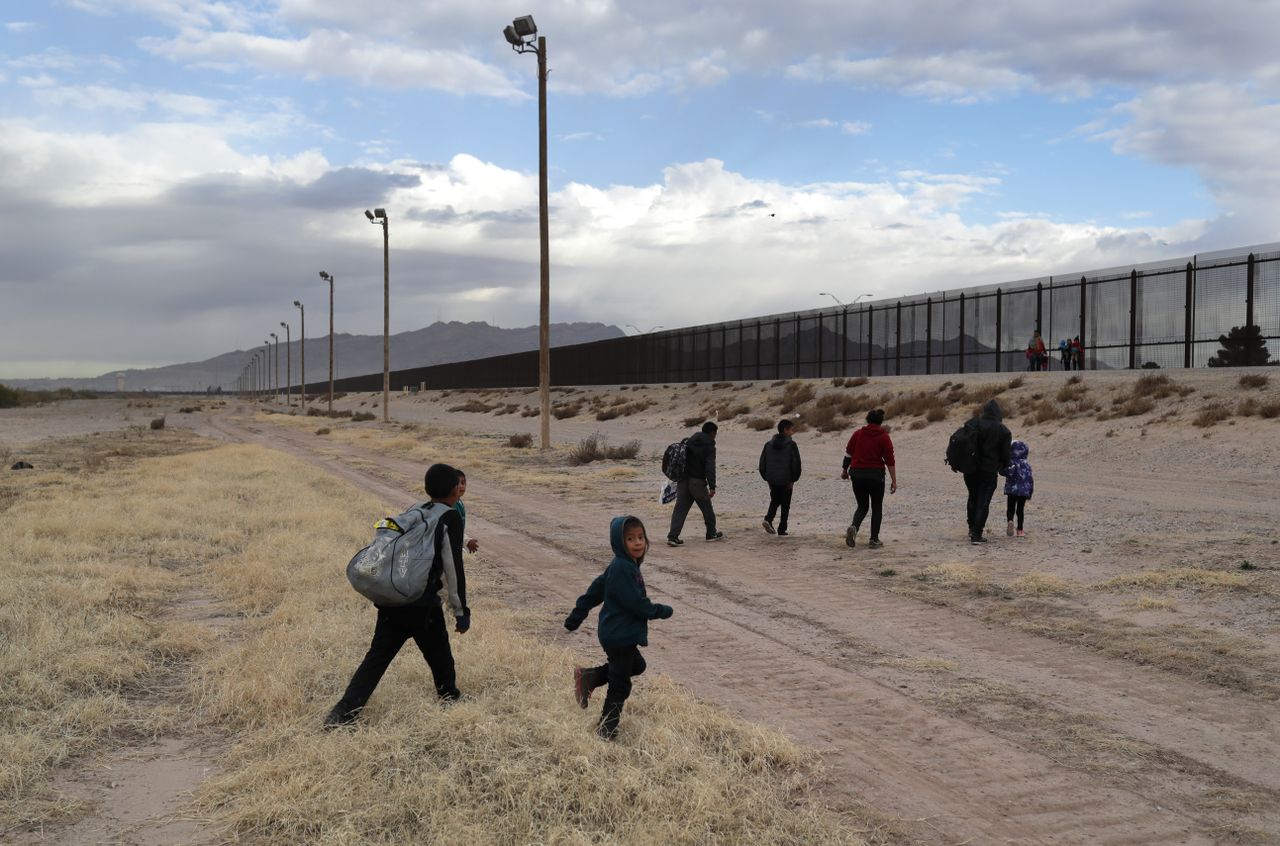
616	540
1018	451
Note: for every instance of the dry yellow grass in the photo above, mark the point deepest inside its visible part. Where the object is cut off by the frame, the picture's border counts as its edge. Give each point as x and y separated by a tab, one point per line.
957	576
1040	584
1180	578
515	761
1151	603
84	640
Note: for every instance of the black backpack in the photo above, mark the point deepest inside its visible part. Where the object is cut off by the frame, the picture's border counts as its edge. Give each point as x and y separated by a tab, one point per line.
673	460
962	449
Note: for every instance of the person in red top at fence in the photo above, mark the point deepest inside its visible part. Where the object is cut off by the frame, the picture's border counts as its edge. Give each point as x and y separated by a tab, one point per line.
1077	353
868	455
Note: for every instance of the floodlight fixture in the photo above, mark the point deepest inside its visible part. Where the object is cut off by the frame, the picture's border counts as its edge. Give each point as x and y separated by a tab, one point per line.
369	215
326	277
509	33
298	304
524	26
380	214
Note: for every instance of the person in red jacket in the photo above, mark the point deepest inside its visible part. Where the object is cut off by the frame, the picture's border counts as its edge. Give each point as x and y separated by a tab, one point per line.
868	455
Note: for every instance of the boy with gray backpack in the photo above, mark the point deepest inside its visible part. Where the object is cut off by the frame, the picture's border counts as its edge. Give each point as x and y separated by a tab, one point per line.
414	558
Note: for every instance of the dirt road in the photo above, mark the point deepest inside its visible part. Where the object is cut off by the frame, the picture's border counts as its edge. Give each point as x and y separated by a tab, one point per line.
969	730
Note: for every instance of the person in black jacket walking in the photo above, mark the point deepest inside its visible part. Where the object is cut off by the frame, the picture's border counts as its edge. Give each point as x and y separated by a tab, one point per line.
698	485
624	623
780	468
992	454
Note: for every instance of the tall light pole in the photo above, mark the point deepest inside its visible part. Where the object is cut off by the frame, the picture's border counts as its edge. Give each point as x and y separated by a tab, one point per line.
302	351
265	364
268	381
839	302
329	278
640	331
275	378
288	367
379	216
518	35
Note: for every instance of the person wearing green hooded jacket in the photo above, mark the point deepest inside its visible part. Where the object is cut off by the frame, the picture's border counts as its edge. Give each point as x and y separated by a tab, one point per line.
624	623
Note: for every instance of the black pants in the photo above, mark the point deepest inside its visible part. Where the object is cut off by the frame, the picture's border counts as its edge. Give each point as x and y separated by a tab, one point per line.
623	665
395	626
982	486
870	496
1016	506
779	497
689	491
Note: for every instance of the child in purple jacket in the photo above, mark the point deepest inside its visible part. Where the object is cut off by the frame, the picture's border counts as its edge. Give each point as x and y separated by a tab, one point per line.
1018	485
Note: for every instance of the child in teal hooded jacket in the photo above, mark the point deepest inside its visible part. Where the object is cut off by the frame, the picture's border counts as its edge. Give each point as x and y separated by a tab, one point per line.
624	622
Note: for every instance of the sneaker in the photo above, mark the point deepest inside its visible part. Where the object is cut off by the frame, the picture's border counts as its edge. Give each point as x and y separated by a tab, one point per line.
448	697
340	717
875	543
1008	529
977	540
782	533
674	542
1021	534
768	527
717	536
581	687
851	537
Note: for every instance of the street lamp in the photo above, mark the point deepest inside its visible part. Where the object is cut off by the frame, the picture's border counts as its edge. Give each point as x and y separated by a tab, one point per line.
640	331
276	377
266	368
302	351
288	366
832	296
520	35
270	382
860	296
329	278
379	216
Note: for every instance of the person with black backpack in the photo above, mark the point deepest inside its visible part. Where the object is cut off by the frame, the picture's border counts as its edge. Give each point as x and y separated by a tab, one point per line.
990	442
697	484
780	468
422	619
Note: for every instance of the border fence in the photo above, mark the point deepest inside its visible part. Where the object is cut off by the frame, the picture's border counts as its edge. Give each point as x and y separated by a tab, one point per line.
1161	314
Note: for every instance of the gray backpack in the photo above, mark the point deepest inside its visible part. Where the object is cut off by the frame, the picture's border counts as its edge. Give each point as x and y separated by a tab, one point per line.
394	569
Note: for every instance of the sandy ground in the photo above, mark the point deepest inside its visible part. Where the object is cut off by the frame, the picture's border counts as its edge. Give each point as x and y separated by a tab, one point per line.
942	689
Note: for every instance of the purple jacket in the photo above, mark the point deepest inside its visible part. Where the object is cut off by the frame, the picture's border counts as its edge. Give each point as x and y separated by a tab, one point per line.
1018	481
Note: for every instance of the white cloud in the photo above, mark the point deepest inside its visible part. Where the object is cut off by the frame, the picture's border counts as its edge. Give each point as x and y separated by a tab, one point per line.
581	136
855	127
19	26
817	123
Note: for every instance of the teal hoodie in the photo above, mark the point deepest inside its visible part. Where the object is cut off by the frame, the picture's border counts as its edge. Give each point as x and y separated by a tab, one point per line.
624	619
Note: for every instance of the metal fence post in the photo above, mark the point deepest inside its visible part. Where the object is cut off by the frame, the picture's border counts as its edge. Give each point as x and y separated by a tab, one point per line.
897	351
928	335
870	313
1039	308
1133	319
1187	328
1248	308
961	331
844	341
1084	287
999	324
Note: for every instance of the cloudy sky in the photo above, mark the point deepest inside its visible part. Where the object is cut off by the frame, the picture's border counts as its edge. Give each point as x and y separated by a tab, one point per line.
174	173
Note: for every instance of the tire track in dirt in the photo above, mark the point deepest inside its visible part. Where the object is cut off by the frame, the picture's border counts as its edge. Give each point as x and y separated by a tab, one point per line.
740	639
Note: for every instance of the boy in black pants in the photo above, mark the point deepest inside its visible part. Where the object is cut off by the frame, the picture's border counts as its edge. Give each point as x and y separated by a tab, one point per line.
624	622
423	619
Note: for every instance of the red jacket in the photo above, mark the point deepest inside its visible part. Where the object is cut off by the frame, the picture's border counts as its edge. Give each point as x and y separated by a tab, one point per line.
870	449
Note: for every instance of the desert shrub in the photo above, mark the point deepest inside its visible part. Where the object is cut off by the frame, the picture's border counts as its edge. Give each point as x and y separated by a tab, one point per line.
1075	380
567	410
623	410
323	430
915	404
934	415
1157	387
362	416
1211	415
759	424
1247	407
594	448
1269	410
190	409
1017	382
520	440
157	423
529	411
728	412
318	412
1134	406
1071	392
509	408
696	420
1254	380
918	424
473	407
794	395
346	412
855	381
824	418
719	386
1043	412
837	382
846	404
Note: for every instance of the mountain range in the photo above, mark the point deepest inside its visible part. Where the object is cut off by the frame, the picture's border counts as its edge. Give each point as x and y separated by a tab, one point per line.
354	355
